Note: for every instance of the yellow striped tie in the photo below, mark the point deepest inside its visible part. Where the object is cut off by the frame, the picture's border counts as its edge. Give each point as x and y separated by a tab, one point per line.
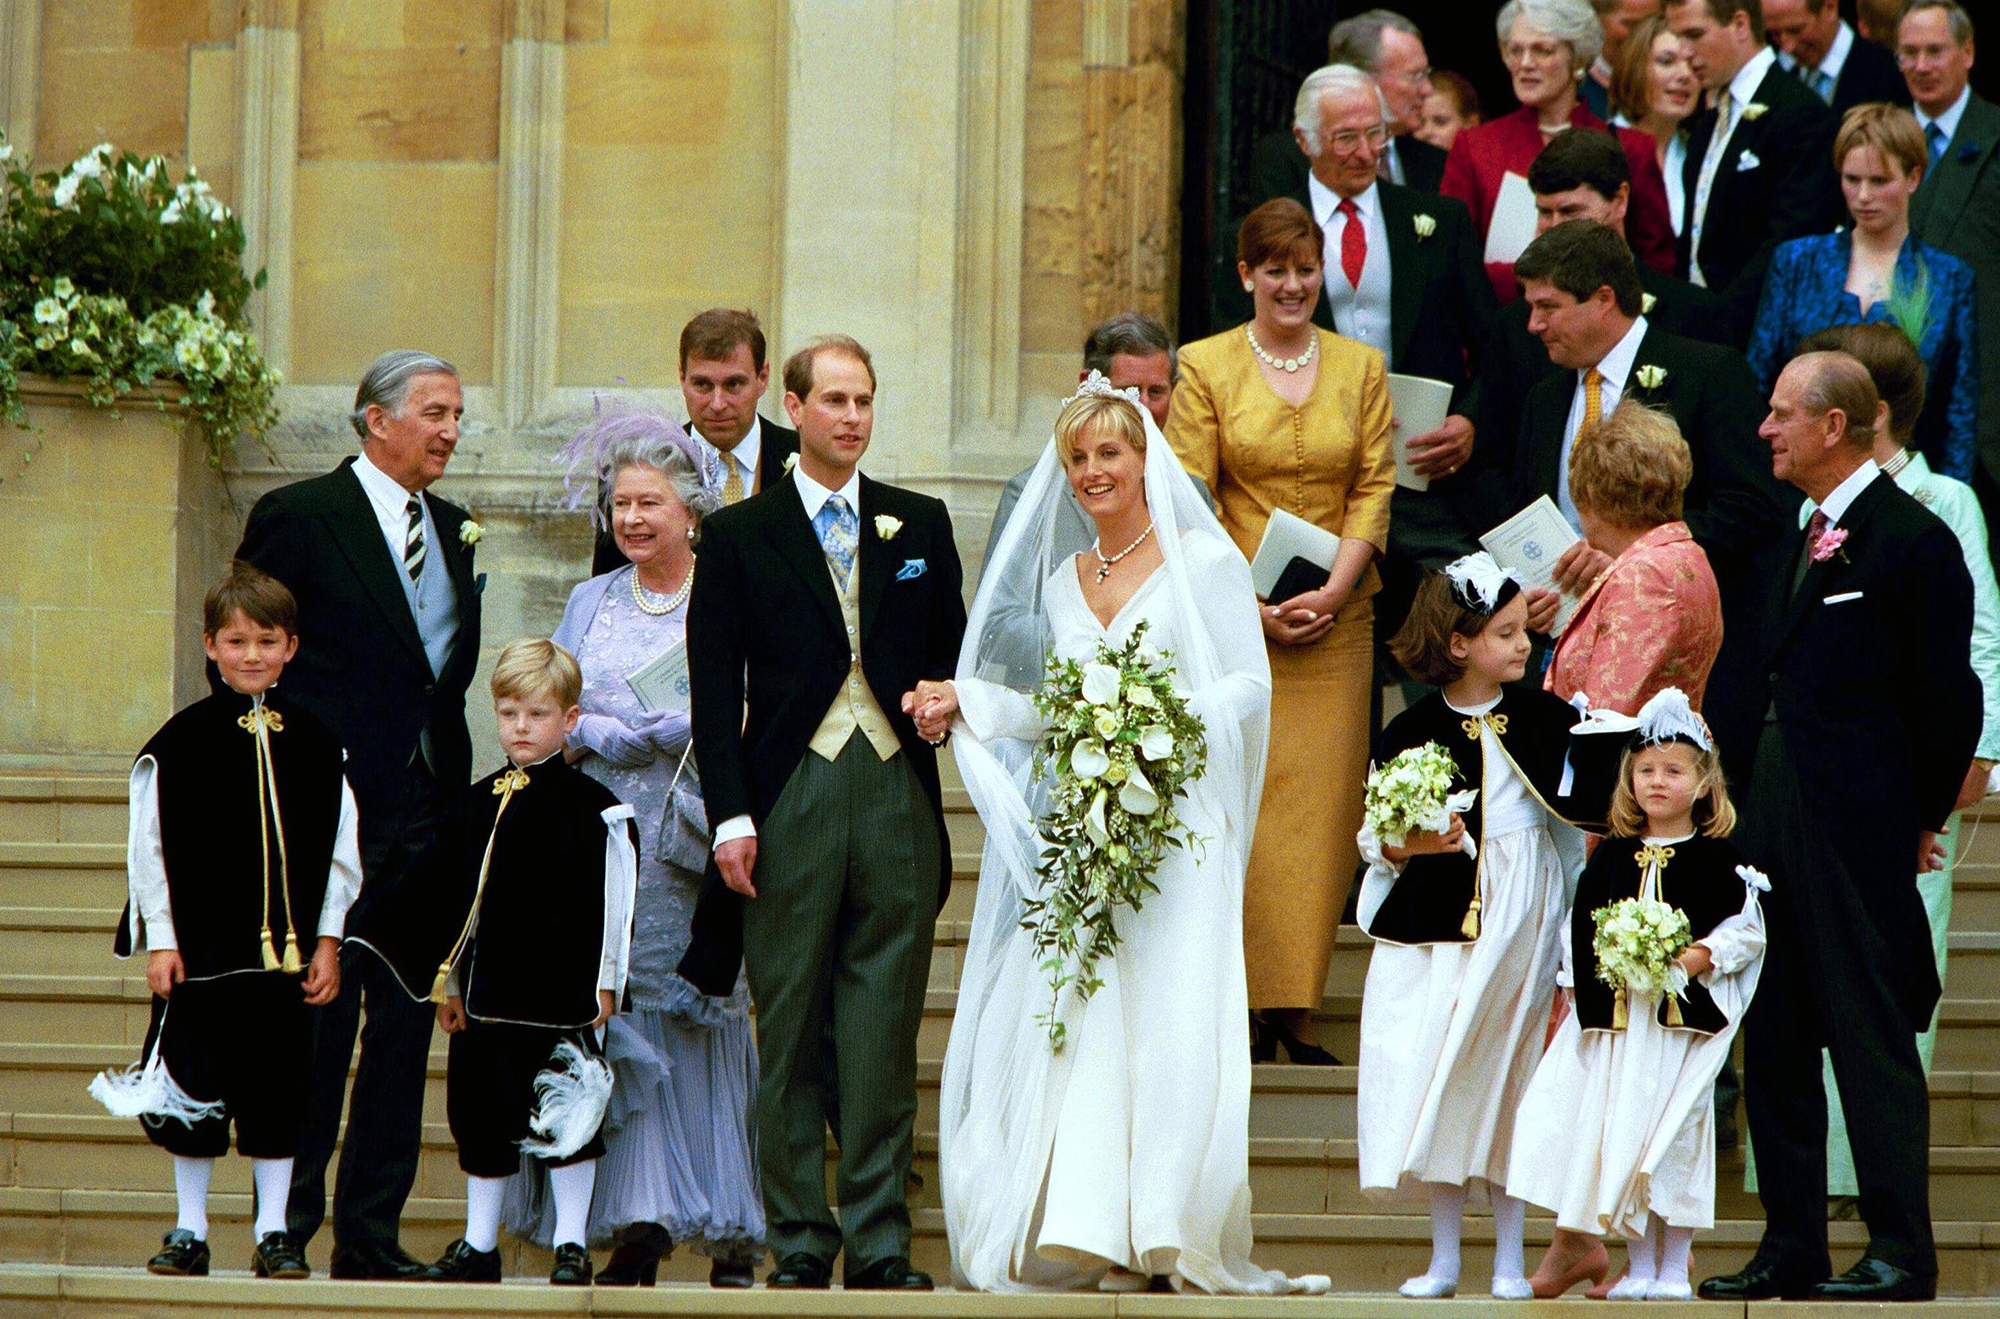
732	485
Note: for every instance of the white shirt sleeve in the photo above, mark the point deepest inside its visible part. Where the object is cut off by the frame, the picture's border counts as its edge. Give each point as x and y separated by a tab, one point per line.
621	884
736	826
343	877
146	863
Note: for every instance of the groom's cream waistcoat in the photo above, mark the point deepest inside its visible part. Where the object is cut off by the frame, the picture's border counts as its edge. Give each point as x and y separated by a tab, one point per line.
855	705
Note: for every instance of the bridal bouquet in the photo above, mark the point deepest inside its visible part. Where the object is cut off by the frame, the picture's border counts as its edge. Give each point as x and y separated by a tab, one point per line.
1636	943
1412	792
1120	748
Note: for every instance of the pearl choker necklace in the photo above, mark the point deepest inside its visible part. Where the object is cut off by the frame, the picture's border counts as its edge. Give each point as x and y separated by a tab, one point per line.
1288	364
644	598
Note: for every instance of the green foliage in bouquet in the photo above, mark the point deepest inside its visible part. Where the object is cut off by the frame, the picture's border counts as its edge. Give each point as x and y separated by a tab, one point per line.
1411	792
113	274
1121	746
1636	941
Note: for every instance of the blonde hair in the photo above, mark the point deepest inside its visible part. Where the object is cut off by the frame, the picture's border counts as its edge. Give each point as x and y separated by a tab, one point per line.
1632	469
532	668
1711	796
1087	412
1890	130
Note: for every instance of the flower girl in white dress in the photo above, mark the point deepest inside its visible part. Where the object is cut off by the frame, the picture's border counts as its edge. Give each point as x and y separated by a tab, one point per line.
1617	1132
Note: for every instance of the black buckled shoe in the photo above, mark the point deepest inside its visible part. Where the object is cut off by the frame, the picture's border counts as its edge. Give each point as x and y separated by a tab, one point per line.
890	1275
461	1263
383	1261
732	1273
572	1266
182	1255
1877	1280
276	1257
1762	1279
635	1260
800	1270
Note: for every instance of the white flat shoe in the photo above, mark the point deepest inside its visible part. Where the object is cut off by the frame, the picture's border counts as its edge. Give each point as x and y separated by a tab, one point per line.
1428	1288
1631	1289
1670	1291
1118	1279
1512	1289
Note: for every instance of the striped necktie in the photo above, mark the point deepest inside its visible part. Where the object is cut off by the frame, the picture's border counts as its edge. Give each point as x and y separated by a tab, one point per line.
413	540
1711	162
732	485
1934	139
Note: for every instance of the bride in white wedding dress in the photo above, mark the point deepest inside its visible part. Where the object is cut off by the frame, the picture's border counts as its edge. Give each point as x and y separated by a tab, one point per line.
1124	1157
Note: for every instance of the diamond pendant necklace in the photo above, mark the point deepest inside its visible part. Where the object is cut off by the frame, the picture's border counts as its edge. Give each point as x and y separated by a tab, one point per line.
1105	565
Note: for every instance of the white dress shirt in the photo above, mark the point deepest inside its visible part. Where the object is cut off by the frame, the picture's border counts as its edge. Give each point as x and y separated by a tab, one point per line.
1842	497
743	456
813	496
1948	121
1616	368
1362	312
392	507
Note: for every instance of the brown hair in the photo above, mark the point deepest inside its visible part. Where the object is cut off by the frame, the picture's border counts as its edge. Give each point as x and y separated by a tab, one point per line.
247	589
1097	412
1891	361
1724	12
1714	813
1632	74
1632	469
532	667
1889	129
799	366
1423	644
1461	91
716	333
1279	230
1580	257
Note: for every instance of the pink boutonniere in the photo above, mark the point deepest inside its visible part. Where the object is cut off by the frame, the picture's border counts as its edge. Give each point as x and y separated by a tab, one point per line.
1829	545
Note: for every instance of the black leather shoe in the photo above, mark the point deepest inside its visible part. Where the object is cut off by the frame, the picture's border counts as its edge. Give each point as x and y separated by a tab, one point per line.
461	1263
635	1260
890	1275
182	1255
799	1269
383	1261
1762	1279
722	1273
1877	1280
572	1266
276	1257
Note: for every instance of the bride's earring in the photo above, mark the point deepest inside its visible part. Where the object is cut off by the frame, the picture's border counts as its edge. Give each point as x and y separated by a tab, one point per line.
1249	287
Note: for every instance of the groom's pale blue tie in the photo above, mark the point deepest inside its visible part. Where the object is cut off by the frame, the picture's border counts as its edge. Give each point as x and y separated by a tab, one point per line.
839	535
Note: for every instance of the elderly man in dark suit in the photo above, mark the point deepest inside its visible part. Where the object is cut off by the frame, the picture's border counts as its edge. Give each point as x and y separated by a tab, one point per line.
1871	716
1823	51
389	638
1957	207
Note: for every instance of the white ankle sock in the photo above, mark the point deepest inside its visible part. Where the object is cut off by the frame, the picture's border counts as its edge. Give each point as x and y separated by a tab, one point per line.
1509	1221
1447	1227
571	1186
482	1211
274	1192
191	1177
1642	1257
1675	1244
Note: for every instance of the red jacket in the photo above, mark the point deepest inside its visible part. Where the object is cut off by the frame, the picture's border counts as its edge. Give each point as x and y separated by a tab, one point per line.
1482	156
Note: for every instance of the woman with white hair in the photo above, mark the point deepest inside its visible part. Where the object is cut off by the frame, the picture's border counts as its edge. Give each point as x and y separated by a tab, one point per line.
1548	47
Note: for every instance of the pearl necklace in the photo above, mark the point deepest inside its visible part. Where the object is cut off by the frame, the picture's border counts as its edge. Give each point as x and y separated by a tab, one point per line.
1105	565
640	595
1290	364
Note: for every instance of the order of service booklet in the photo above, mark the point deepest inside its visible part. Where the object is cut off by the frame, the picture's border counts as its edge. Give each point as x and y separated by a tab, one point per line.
1291	550
1420	405
662	683
1529	543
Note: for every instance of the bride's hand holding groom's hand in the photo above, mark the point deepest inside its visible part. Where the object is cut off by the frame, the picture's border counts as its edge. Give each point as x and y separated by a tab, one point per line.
932	706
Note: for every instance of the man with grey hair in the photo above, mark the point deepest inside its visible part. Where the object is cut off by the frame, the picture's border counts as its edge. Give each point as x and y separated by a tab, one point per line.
388	640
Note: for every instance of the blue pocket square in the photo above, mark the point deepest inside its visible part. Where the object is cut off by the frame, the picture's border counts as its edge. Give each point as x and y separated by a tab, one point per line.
911	570
479	584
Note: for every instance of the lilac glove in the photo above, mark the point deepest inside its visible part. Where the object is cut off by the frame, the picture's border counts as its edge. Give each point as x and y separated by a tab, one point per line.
666	731
611	739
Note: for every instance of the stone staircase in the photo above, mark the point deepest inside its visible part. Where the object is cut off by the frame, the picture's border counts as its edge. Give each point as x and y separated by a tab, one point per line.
84	1198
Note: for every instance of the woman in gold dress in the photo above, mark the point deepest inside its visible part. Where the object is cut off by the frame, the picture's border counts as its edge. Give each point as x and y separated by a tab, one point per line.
1281	414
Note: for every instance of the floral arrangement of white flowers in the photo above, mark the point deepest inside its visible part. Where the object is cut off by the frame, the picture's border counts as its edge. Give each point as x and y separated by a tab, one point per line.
1637	941
1413	792
1121	746
113	274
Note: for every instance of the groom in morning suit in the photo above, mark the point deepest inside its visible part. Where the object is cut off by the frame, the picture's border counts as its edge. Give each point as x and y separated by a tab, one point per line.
1873	710
389	632
820	605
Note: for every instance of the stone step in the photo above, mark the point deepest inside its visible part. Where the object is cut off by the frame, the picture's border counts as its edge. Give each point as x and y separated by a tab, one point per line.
61	810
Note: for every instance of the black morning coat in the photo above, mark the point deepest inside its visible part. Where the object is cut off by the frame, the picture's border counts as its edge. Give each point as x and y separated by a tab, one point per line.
539	939
1699	878
1433	900
210	804
768	651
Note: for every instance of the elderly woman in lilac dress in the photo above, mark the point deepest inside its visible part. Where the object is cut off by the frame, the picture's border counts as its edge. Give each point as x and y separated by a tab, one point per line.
680	1161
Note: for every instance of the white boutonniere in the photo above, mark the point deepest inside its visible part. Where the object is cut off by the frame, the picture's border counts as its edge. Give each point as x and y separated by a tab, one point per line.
791	461
1754	111
469	532
1650	377
886	527
1646	303
1426	225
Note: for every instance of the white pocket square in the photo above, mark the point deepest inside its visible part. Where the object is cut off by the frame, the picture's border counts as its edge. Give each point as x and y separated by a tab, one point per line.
1842	598
1748	160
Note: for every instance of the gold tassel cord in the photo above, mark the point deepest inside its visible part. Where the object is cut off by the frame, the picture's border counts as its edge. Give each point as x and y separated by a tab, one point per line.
1654	854
1472	726
504	787
1469	927
260	723
1619	1014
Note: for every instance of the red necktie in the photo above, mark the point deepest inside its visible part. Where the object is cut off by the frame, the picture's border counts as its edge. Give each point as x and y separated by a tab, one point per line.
1815	528
1353	244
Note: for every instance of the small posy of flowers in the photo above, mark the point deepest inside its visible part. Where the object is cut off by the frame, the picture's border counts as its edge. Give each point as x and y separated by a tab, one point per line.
1426	226
1650	377
1637	941
791	461
469	532
1413	792
1646	303
1121	746
886	527
1830	543
1754	111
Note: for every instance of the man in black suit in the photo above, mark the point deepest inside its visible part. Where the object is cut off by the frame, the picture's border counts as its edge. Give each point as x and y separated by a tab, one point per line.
1871	717
1585	302
723	374
1389	48
820	605
1759	165
1957	207
389	638
1822	50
